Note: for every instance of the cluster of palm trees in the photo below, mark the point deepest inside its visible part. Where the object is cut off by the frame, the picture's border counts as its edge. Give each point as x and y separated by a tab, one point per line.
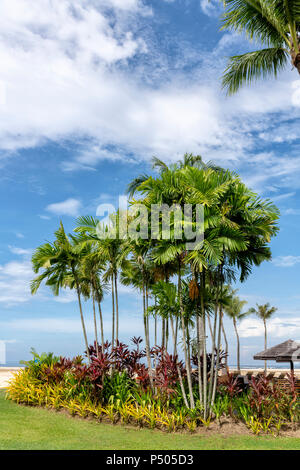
234	306
184	291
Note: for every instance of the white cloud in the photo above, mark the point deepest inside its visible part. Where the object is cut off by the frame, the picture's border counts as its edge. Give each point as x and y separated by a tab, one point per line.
287	328
70	65
283	196
51	52
88	158
124	4
20	251
15	279
282	171
296	93
210	7
291	211
15	269
66	296
74	67
286	261
68	207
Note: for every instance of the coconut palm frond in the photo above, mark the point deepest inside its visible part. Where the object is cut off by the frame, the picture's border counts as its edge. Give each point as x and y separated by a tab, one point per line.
249	67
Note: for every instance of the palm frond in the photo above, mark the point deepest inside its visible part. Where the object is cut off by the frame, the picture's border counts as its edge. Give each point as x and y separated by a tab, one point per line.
159	165
134	185
258	19
251	66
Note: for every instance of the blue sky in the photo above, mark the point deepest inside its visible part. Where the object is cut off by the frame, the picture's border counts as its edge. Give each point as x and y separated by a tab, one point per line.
89	92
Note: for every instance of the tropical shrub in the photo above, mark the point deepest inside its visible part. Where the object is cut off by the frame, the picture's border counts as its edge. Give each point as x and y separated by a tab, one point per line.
115	386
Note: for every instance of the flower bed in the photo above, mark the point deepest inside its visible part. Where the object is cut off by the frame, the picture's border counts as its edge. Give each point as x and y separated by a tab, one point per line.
116	387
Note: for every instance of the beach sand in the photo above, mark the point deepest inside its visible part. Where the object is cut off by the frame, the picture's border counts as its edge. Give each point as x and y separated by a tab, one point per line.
274	372
7	373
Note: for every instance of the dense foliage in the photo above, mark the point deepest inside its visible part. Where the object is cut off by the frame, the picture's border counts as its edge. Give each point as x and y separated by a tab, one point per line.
124	394
184	289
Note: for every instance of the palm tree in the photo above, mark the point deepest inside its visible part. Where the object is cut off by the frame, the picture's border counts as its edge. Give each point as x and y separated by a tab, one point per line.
113	252
60	261
170	189
138	272
234	310
222	237
238	225
101	289
166	306
188	160
264	312
163	272
92	268
275	24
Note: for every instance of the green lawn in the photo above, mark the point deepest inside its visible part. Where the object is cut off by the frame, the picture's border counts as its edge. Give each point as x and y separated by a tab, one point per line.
27	428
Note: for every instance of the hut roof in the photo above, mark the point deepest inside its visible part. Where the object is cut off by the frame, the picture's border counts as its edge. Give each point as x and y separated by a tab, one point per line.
283	352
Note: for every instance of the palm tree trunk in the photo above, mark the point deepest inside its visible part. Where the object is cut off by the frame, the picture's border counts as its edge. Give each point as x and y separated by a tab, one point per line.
113	312
238	346
187	363
173	336
213	350
155	335
188	341
155	338
176	331
101	325
148	319
199	347
82	319
155	330
205	375
167	333
203	341
199	352
265	327
163	327
95	323
117	307
226	344
178	369
210	327
147	337
216	373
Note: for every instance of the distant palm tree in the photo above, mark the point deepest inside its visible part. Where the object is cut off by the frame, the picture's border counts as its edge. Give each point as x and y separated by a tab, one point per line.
60	262
234	311
264	312
275	24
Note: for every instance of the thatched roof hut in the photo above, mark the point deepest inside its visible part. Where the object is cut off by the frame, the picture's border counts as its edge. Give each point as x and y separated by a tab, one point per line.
289	351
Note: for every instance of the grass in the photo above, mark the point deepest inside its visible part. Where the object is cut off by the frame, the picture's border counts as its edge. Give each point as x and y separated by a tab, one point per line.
25	428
